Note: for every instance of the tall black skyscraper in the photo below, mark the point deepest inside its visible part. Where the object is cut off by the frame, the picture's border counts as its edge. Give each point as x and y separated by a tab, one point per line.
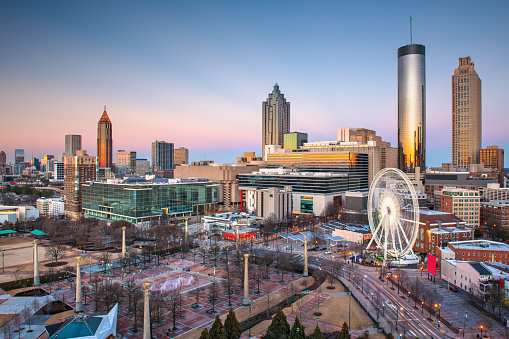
275	118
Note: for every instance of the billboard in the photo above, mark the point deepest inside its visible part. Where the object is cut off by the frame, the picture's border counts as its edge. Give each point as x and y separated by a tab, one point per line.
432	264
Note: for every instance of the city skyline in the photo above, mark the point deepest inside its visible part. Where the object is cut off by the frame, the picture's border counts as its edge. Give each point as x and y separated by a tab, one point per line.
64	62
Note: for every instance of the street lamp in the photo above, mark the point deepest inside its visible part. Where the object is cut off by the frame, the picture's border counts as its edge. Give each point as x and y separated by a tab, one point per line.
397	316
422	307
439	307
362	280
3	263
464	320
481	330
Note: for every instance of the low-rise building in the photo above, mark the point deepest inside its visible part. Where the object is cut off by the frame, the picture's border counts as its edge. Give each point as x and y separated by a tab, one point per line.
495	212
17	213
467	275
271	202
354	234
53	207
437	228
479	250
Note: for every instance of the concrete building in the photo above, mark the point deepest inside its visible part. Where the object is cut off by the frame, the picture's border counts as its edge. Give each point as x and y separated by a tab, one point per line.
354	234
463	203
493	157
436	229
3	158
162	155
78	169
17	213
311	192
137	200
466	114
275	118
411	107
467	275
125	162
360	140
225	175
181	156
250	158
53	207
58	173
271	201
72	143
104	141
294	140
142	167
494	192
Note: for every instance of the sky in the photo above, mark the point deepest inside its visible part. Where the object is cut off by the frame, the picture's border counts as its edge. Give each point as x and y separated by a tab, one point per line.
195	73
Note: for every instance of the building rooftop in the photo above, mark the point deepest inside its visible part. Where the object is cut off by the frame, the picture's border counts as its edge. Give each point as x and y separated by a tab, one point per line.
479	267
479	245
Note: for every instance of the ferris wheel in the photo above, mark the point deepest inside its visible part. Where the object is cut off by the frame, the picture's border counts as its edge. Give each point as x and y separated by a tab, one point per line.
393	213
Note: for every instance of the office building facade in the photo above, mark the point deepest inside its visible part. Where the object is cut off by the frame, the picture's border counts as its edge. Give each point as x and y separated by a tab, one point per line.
466	114
181	156
463	203
19	156
138	201
77	169
493	157
3	158
104	141
162	155
411	108
72	143
125	162
275	118
294	140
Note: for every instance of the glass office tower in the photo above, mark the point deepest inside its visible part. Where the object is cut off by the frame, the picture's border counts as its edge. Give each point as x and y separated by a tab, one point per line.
411	107
19	156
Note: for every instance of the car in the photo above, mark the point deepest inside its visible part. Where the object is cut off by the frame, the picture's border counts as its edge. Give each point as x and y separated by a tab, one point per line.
453	288
328	252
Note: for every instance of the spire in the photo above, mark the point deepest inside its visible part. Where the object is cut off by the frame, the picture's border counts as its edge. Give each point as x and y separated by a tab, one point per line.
105	119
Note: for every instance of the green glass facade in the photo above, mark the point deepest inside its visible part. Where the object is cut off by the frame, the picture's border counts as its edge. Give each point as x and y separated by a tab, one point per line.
140	202
294	140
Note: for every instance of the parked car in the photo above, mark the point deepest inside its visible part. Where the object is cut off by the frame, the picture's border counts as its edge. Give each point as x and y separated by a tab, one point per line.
328	252
453	288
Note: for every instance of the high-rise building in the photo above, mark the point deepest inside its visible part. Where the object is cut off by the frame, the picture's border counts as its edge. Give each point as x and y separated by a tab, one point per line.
493	157
59	171
411	108
19	156
104	141
3	158
125	162
142	167
181	156
78	169
162	155
72	143
275	118
294	140
466	114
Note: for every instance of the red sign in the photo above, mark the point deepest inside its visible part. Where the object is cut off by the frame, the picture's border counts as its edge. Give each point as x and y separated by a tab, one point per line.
432	264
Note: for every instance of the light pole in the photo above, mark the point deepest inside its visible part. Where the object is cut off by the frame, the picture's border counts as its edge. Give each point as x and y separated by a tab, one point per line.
464	321
439	307
397	316
249	317
3	263
349	307
422	307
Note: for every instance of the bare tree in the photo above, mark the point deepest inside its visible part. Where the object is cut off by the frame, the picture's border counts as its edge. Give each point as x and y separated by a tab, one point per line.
55	251
195	294
17	321
7	329
96	287
174	306
136	297
378	304
110	293
228	287
258	274
213	296
27	315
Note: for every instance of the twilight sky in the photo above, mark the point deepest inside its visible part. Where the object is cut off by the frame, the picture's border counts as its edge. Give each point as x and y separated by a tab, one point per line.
195	72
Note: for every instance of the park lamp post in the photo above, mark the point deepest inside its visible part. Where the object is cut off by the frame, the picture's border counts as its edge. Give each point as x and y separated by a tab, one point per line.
481	330
249	317
362	277
464	321
397	316
3	263
422	307
383	310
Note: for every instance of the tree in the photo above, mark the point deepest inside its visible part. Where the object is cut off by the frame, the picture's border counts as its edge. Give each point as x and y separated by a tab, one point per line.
364	335
55	251
205	334
7	329
217	330
232	326
478	233
345	332
389	336
213	296
110	293
135	294
228	287
195	295
297	331
279	325
317	334
174	306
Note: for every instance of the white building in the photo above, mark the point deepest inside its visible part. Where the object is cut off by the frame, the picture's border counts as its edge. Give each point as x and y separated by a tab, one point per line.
467	275
53	207
15	213
265	202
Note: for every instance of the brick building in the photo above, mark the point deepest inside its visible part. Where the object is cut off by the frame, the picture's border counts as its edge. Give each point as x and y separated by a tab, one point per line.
477	250
463	203
77	170
495	212
437	228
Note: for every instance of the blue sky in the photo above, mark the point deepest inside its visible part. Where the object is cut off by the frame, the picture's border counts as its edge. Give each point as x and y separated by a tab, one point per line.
195	72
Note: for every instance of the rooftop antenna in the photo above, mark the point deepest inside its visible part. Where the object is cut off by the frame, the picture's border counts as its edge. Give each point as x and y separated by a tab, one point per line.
410	29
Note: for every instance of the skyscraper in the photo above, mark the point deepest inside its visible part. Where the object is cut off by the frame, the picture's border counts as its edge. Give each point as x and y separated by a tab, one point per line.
104	141
275	118
3	158
125	162
411	107
72	144
19	156
162	155
78	169
181	156
466	114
